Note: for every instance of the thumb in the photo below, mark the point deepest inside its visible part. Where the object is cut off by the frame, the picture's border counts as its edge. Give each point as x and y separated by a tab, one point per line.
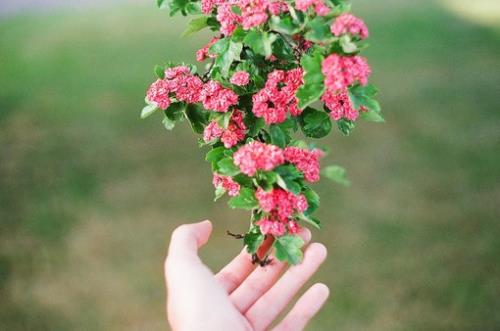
187	238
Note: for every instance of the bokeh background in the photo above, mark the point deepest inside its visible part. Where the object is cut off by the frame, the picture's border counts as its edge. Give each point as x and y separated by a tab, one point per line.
89	193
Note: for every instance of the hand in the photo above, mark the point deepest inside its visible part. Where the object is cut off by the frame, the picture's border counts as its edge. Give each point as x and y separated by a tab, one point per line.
241	296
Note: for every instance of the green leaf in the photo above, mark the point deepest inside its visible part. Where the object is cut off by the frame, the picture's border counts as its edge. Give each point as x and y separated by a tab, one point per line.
284	25
313	86
260	42
219	192
245	200
192	8
315	123
278	136
168	123
238	34
227	167
312	200
289	178
282	50
195	25
215	155
197	117
310	220
254	124
336	174
253	240
319	30
266	179
226	58
228	51
159	71
372	116
175	111
225	119
363	96
243	180
161	3
345	126
347	45
288	248
148	111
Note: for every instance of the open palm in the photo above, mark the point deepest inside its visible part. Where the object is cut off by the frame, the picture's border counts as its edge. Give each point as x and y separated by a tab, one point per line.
241	296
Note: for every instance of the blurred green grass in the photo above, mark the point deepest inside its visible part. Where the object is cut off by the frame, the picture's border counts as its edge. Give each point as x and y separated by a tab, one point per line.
89	193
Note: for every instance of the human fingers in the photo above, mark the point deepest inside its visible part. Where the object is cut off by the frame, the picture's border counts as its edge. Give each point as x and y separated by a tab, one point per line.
187	238
261	280
269	306
304	309
236	271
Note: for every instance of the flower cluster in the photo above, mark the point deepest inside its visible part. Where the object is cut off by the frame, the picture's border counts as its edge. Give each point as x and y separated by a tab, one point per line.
306	161
217	98
274	74
253	13
342	71
226	183
179	83
340	105
230	136
202	54
318	5
277	98
280	206
240	78
280	203
349	24
258	156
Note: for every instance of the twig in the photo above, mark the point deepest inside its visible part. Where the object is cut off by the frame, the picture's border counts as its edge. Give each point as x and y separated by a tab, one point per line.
235	235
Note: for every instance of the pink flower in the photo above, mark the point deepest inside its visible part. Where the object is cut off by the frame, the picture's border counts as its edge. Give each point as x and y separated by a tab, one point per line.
208	5
228	19
293	227
240	78
277	7
158	94
277	98
217	98
301	203
236	130
319	7
178	82
347	23
182	84
212	131
253	12
202	54
227	183
307	161
272	227
340	105
341	71
258	156
266	200
188	88
282	204
234	133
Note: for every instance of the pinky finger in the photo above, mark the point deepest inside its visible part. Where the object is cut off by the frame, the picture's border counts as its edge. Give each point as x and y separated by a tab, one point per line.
306	307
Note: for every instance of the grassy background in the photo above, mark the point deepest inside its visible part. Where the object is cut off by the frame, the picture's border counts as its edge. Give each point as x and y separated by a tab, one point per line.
89	194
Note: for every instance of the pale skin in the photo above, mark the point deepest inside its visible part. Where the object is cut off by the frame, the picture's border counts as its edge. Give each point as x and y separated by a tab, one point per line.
241	296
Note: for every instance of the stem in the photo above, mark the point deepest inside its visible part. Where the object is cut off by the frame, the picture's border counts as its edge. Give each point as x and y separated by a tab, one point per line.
235	235
262	262
295	48
209	71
